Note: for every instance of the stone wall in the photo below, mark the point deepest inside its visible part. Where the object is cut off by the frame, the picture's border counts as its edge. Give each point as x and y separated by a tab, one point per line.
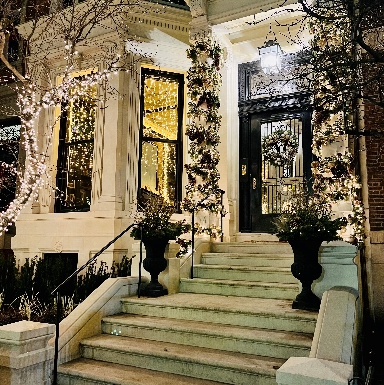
25	356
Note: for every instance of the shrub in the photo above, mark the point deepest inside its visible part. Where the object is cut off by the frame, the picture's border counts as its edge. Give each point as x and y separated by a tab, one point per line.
8	275
25	291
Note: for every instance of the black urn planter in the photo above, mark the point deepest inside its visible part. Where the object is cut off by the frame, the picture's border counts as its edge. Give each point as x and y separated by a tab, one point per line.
306	269
155	263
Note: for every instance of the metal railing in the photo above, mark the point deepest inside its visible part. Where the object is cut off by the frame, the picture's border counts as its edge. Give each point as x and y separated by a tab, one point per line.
56	291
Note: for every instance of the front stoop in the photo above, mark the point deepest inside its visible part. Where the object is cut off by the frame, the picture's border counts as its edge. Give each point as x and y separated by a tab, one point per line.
232	324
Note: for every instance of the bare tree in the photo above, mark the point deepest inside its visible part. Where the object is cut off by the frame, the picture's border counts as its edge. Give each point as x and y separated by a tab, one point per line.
36	40
350	62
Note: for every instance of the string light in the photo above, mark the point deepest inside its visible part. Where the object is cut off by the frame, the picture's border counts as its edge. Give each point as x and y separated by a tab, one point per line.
36	171
333	175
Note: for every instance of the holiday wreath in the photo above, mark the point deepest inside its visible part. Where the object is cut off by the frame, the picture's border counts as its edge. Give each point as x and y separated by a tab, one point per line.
280	147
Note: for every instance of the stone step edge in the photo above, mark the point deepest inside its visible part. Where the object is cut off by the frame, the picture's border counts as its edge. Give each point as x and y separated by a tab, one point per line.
214	332
228	254
118	374
307	316
226	282
261	269
165	354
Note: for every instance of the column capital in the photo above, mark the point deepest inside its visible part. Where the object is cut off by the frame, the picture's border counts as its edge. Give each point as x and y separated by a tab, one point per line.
197	7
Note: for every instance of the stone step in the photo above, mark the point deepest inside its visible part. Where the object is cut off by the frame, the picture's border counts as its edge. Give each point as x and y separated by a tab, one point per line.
239	288
90	372
207	364
244	273
262	313
247	340
252	247
244	259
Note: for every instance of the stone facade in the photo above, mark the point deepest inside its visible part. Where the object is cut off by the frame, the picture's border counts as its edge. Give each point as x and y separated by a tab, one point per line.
164	37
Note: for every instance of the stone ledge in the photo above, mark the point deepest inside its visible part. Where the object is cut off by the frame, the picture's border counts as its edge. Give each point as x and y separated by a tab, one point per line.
314	371
25	330
27	359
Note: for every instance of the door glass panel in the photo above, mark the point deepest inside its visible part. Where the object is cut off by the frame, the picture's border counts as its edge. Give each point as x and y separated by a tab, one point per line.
278	182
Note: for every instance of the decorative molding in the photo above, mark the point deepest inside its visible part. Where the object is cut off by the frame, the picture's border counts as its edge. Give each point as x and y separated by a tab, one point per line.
255	84
290	102
178	25
132	106
200	28
198	7
245	72
222	11
97	172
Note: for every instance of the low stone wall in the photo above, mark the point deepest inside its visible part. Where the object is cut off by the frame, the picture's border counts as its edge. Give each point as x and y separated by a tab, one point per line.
339	269
334	344
25	356
85	319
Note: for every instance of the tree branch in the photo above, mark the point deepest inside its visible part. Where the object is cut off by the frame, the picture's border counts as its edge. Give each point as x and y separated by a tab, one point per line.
3	39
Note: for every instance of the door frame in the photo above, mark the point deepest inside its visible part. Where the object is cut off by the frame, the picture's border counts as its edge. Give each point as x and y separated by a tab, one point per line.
250	157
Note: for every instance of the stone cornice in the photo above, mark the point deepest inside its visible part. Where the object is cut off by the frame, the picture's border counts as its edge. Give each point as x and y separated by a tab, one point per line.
221	11
46	44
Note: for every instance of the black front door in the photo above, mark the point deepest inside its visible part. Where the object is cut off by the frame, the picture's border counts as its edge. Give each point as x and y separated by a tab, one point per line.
264	187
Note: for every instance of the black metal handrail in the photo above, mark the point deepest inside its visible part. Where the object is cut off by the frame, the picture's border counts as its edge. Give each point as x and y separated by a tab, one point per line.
222	192
58	295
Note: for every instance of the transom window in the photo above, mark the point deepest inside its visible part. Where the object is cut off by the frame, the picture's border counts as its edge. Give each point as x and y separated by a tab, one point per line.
162	100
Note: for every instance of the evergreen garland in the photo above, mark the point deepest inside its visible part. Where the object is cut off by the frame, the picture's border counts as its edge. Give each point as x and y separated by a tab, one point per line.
204	81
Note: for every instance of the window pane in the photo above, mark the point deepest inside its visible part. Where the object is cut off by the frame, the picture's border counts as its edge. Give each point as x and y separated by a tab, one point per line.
81	117
160	117
76	160
158	169
9	152
79	184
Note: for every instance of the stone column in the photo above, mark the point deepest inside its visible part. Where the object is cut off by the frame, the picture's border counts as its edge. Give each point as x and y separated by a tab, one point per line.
107	142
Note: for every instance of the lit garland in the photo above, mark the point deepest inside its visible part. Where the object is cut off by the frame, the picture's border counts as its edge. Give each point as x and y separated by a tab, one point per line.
333	175
204	80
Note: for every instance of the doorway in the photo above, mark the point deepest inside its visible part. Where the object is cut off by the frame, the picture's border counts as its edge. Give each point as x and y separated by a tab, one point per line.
264	187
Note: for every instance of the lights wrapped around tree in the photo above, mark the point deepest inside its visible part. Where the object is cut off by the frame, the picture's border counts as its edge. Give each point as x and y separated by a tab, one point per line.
334	175
280	147
30	106
204	80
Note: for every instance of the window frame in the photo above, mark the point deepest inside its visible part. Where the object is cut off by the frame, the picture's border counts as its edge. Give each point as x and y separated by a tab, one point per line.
62	163
180	78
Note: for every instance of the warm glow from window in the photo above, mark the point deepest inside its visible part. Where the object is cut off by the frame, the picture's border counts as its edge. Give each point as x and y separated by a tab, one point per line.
160	132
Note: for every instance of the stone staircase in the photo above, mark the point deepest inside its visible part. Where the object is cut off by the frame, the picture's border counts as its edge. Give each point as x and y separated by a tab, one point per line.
232	324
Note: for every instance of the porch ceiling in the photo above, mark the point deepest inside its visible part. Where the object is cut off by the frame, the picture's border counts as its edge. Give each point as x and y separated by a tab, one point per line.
245	33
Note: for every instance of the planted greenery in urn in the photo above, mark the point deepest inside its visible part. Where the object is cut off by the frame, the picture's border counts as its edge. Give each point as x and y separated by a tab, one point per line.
305	222
156	229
